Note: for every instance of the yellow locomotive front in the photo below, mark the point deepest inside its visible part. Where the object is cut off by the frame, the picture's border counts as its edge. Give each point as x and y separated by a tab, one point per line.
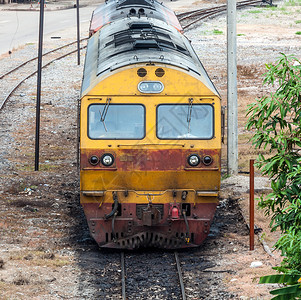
150	152
150	162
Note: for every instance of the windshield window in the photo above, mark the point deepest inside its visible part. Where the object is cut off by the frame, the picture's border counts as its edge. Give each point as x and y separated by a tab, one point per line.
116	121
185	121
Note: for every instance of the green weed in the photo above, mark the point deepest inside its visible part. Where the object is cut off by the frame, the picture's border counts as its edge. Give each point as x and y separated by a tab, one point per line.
217	32
293	3
255	11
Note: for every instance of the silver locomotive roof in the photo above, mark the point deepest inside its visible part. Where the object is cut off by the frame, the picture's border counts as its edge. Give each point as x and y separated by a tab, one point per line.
138	39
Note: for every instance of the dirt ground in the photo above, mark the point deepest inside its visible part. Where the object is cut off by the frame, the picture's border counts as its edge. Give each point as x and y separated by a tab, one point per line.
42	239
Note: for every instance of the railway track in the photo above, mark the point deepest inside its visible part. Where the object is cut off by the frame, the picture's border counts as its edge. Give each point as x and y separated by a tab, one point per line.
160	268
24	71
189	18
152	273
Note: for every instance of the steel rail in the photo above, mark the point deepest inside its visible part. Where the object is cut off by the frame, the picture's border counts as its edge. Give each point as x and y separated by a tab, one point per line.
203	17
179	271
214	10
205	13
180	275
32	59
32	74
184	14
123	276
201	12
187	14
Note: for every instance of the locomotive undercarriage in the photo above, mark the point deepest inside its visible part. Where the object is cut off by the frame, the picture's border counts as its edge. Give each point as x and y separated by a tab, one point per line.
141	225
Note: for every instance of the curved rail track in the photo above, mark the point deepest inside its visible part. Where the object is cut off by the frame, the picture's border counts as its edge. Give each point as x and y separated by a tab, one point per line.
191	17
124	276
187	19
27	69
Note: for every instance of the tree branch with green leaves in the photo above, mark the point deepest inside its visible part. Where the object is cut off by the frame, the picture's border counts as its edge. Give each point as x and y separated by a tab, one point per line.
275	120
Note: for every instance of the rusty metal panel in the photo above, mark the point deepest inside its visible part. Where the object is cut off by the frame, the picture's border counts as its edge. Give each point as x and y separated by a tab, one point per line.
151	160
151	216
130	232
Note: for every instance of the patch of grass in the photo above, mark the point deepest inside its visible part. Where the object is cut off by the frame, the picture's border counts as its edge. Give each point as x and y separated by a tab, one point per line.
241	34
25	168
47	167
15	189
217	32
257	11
245	137
293	3
29	154
23	254
61	262
39	258
51	262
270	7
225	176
298	21
243	165
273	8
298	32
282	9
17	256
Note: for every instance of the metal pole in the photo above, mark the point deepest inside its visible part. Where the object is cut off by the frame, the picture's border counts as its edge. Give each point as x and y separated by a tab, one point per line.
78	32
251	217
232	135
39	80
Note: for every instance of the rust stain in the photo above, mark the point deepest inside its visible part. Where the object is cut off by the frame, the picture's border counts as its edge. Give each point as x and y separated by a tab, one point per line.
129	226
151	160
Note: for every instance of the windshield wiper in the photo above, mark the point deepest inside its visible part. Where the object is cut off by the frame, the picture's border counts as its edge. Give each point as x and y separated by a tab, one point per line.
189	112
104	113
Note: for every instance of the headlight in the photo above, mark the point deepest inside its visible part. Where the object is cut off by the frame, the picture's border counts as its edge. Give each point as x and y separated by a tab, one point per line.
107	159
207	160
94	160
193	160
150	87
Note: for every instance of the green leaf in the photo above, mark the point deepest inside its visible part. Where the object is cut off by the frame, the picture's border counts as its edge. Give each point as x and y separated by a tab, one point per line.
293	289
284	297
276	121
280	278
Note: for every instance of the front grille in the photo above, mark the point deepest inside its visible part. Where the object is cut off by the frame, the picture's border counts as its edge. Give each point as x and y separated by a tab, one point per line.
151	239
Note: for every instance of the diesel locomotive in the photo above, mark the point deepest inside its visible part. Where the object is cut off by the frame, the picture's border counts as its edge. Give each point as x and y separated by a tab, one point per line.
150	131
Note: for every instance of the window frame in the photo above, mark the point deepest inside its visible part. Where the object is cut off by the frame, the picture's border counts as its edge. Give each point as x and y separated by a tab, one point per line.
187	139
114	139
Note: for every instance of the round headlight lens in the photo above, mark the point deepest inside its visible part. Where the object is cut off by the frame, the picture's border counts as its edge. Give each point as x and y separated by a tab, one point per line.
207	160
193	160
94	160
144	87
157	86
107	159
